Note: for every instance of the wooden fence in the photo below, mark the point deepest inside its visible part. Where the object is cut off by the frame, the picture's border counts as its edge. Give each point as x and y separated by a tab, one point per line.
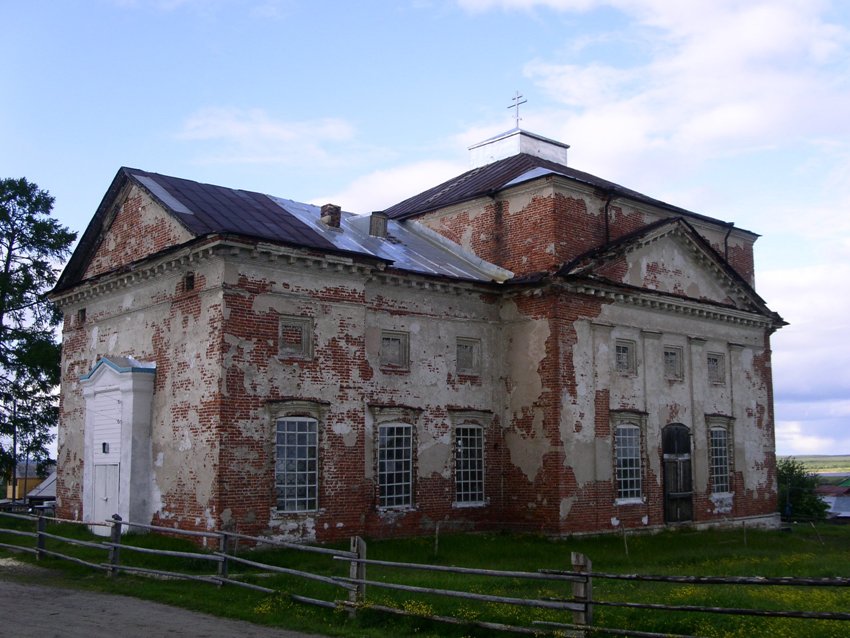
580	606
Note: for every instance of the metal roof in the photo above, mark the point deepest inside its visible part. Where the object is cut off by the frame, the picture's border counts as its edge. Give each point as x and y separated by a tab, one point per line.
408	245
491	178
206	209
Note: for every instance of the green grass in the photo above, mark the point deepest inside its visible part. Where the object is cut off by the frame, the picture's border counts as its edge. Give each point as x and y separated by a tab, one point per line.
805	551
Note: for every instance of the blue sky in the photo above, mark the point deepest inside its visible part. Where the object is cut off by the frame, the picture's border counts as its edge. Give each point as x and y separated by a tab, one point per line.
736	109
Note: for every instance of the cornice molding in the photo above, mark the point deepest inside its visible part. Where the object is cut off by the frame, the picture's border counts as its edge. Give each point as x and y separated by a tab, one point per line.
182	257
670	305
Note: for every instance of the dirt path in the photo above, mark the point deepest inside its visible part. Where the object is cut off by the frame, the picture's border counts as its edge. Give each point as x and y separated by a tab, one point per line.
31	610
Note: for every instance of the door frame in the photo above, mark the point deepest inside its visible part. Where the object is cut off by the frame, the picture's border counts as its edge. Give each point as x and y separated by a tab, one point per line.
677	473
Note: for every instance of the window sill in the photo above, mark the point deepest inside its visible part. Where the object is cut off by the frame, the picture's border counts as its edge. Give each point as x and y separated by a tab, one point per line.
394	370
302	513
470	504
630	501
396	508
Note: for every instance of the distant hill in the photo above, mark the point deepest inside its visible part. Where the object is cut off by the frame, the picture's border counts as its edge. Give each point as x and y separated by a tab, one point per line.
825	462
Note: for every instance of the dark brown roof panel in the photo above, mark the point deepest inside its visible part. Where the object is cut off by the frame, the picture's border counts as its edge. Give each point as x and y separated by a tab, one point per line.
206	208
487	180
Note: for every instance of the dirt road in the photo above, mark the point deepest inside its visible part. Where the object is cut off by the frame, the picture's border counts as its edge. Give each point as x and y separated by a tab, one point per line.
30	610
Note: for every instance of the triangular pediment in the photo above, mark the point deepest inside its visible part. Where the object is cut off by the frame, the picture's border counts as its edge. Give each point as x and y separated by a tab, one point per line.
136	226
671	259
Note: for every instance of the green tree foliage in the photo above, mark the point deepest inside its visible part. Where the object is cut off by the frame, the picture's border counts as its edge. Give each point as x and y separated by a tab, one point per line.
32	246
797	498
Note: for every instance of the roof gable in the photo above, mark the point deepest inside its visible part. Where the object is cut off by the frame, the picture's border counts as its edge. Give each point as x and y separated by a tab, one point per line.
669	258
135	226
485	181
182	211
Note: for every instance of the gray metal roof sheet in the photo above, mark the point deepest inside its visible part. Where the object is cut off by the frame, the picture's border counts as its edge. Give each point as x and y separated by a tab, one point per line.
408	245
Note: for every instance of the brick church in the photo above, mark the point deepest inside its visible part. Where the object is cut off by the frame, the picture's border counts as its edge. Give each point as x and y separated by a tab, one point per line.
524	347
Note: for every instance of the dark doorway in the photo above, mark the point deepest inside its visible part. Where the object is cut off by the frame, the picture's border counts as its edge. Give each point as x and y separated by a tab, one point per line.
678	489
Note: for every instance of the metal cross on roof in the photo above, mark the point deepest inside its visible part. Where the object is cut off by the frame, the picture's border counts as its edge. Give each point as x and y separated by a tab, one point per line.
517	100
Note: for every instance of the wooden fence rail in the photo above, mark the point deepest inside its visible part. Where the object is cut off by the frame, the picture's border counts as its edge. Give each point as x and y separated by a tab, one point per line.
581	578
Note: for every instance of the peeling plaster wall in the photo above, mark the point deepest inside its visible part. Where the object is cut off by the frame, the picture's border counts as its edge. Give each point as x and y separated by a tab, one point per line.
743	397
348	309
547	222
178	332
545	392
149	316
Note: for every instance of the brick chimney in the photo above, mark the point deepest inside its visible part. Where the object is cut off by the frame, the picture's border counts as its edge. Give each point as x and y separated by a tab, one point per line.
378	224
331	214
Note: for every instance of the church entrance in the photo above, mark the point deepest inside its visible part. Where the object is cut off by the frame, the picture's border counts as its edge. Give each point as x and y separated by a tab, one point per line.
678	488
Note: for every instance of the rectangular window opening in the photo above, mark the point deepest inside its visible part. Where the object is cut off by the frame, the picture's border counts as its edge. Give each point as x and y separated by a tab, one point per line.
625	362
627	448
395	350
296	337
468	354
718	447
469	464
296	464
395	465
716	368
673	367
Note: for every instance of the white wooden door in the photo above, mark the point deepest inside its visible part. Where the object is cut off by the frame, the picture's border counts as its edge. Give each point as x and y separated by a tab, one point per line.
105	495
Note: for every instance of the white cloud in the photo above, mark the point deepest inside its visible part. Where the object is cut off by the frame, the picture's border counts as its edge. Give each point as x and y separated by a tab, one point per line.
708	83
798	438
253	136
705	80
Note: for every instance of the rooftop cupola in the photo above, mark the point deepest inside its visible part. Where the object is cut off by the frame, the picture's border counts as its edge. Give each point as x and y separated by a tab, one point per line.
514	142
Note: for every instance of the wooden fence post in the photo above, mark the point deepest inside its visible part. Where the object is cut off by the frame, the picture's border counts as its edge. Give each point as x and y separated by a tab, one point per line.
583	590
222	548
357	571
39	541
115	548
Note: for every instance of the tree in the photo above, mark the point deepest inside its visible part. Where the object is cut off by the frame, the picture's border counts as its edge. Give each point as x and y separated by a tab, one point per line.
32	245
797	498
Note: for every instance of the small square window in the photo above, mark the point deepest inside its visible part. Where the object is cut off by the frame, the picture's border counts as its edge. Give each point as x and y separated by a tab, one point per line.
716	368
296	337
468	356
395	349
673	368
625	357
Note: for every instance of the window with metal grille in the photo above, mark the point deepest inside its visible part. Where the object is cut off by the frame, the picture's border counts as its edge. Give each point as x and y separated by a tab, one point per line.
627	449
296	464
673	368
395	465
395	349
296	337
625	357
716	367
718	450
469	464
